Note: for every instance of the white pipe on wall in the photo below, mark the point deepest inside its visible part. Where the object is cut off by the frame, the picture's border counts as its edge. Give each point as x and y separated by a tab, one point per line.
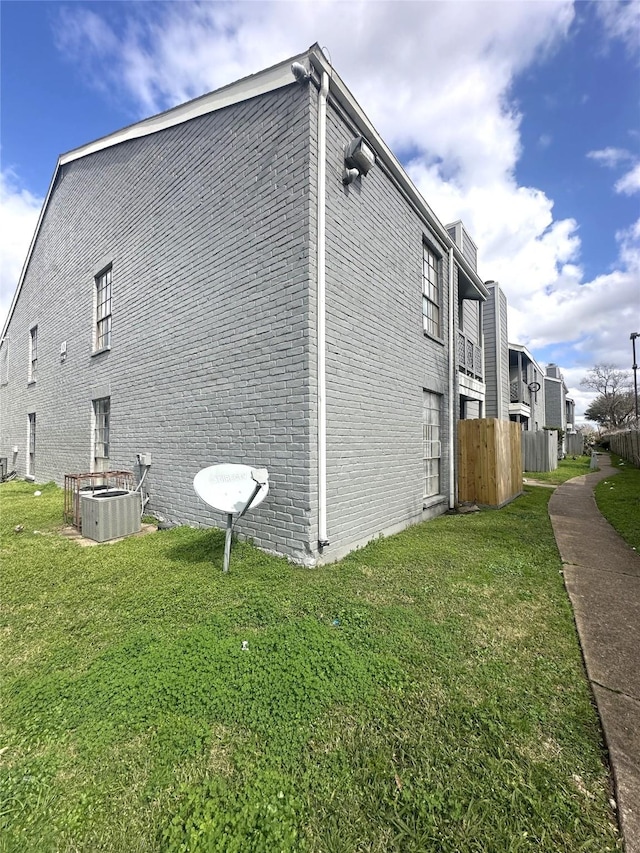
452	394
321	299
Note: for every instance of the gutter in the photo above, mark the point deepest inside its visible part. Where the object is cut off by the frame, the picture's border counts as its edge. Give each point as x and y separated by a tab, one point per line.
321	312
452	394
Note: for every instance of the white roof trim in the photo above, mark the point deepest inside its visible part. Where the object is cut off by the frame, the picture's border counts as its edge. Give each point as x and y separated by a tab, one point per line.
522	348
242	90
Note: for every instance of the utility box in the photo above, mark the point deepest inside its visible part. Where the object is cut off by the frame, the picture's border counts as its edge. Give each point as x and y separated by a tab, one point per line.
110	514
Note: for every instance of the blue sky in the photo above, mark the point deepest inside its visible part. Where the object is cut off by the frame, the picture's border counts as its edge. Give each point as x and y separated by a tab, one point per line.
521	118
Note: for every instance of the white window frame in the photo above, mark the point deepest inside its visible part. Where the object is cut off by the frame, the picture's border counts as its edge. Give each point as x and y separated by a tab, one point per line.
101	434
31	444
431	292
4	362
431	444
33	353
102	310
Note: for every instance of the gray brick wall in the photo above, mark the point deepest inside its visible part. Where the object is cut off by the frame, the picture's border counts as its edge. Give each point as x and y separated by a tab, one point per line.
207	226
210	229
378	358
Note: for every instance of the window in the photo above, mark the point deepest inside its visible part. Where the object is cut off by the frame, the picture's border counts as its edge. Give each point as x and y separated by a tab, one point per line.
431	444
33	353
101	417
4	362
431	292
103	311
31	443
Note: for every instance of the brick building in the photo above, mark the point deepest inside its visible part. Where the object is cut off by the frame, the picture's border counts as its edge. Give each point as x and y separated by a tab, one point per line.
219	284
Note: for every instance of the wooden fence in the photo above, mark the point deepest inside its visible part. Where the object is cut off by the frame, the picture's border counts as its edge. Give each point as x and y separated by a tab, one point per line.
627	445
540	450
575	444
489	461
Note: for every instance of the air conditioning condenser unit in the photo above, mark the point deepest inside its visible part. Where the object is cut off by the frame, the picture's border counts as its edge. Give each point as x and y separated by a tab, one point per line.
110	514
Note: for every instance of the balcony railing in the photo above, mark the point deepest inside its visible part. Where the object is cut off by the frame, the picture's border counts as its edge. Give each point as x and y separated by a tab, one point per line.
519	392
469	357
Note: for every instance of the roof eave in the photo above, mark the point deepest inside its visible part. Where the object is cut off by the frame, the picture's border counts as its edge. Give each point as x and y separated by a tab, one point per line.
268	80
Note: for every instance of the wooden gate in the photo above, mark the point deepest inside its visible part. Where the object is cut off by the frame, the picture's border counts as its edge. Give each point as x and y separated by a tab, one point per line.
489	461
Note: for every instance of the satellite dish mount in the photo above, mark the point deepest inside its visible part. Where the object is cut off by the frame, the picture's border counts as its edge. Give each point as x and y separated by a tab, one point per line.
232	489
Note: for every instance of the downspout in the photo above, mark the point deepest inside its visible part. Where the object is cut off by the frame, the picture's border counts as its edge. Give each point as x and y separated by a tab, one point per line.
452	395
321	307
483	404
497	309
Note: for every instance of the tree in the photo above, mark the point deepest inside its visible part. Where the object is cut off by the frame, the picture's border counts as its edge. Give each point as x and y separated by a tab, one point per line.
610	413
614	406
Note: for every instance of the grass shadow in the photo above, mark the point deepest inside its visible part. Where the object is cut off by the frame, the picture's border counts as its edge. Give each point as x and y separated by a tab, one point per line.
201	547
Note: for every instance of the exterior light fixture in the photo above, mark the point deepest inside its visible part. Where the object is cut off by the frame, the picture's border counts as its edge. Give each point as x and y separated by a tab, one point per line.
300	72
359	157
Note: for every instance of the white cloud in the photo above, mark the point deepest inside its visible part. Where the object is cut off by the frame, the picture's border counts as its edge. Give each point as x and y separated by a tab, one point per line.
621	20
630	182
19	211
610	157
412	66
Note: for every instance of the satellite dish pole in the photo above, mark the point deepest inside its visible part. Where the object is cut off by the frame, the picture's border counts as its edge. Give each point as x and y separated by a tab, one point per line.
232	489
227	543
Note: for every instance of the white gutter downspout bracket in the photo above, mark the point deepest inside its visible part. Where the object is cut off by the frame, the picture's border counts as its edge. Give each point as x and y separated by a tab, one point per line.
321	311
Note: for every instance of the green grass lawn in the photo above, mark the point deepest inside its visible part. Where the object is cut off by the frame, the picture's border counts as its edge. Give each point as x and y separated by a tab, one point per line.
618	499
426	693
566	470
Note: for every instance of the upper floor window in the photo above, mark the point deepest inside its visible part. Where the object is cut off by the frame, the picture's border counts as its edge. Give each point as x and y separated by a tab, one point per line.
431	292
4	362
103	310
33	353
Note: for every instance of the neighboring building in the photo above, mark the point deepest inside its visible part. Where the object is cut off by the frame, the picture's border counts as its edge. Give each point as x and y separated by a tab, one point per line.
496	352
210	285
471	385
526	389
570	414
560	408
512	374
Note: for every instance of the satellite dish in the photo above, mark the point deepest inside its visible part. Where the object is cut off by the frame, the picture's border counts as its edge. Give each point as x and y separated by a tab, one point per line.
228	487
232	489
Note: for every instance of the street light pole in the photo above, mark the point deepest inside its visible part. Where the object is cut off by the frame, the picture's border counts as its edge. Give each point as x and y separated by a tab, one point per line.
632	338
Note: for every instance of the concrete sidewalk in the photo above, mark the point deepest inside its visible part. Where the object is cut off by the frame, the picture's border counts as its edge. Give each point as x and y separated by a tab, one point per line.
602	577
